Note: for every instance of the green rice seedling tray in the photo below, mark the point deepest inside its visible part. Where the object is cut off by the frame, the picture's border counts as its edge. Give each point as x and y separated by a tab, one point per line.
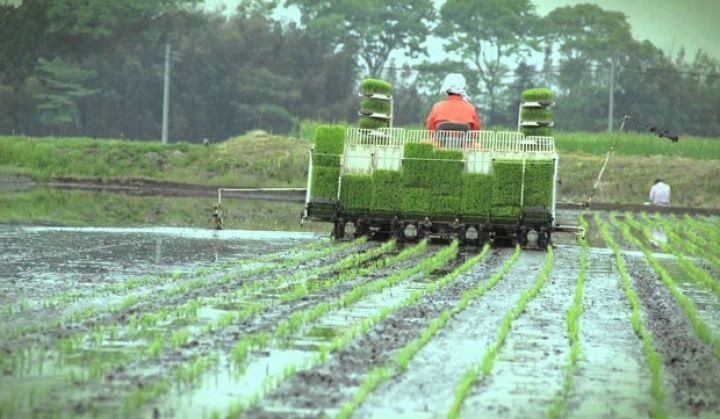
356	192
386	190
324	182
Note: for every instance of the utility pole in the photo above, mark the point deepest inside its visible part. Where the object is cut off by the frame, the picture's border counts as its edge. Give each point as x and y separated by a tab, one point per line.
611	99
166	95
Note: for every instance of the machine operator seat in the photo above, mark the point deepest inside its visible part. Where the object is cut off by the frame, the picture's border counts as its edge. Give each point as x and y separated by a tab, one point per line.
449	132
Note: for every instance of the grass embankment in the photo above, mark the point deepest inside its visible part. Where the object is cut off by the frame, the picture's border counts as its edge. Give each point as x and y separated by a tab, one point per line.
258	159
48	206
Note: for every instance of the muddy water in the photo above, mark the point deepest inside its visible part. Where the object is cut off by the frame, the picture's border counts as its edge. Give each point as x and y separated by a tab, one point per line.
42	262
426	389
529	369
612	379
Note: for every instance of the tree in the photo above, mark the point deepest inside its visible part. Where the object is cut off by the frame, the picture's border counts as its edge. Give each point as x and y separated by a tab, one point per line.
65	87
483	32
371	28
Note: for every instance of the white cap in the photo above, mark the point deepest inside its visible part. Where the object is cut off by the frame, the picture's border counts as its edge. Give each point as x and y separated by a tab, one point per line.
454	83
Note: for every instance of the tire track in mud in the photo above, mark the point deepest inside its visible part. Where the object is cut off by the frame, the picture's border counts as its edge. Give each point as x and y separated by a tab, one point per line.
529	369
145	371
426	389
612	374
327	386
692	371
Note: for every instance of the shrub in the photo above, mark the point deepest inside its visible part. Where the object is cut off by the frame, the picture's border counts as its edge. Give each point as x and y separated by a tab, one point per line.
386	193
416	201
325	182
356	191
369	86
477	194
539	94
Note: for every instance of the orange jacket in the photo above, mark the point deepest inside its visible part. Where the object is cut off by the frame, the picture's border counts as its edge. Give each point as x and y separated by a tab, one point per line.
453	109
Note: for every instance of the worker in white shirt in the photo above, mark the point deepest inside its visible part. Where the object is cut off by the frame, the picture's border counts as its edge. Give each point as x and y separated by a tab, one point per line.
660	193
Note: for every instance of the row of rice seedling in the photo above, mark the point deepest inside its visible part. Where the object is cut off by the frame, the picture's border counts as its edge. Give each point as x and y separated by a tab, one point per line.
701	328
87	345
132	283
486	365
573	327
140	323
437	261
401	361
698	273
290	325
653	358
692	243
710	232
261	339
194	283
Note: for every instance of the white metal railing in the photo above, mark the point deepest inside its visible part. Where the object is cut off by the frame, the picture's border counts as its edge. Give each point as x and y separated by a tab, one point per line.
471	140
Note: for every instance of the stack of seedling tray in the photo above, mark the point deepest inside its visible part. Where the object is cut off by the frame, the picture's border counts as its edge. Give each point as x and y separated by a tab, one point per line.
329	148
536	118
376	106
416	184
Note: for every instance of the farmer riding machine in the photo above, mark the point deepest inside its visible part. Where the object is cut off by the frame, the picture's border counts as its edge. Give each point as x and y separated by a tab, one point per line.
475	186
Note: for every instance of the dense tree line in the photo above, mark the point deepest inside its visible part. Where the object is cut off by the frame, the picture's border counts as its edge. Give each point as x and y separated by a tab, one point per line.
73	67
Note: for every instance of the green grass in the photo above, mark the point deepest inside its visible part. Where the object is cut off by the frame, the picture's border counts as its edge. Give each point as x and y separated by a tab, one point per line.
636	144
77	208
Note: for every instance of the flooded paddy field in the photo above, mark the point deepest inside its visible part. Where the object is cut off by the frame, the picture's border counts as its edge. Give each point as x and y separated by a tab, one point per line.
196	323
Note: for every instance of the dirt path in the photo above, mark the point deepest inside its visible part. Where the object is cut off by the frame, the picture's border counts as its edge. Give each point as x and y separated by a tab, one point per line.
613	380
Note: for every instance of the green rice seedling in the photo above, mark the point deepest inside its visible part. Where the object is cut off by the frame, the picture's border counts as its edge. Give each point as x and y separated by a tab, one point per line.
539	183
537	94
405	354
489	357
385	196
416	201
324	182
573	327
372	105
702	330
690	267
693	243
414	165
536	114
356	192
477	194
179	338
371	86
507	186
153	351
537	131
367	122
330	139
651	355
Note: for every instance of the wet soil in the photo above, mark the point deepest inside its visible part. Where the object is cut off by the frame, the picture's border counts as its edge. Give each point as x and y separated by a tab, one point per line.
689	364
612	379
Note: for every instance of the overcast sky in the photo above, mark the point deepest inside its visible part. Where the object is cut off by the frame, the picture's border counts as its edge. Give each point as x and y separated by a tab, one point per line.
668	24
